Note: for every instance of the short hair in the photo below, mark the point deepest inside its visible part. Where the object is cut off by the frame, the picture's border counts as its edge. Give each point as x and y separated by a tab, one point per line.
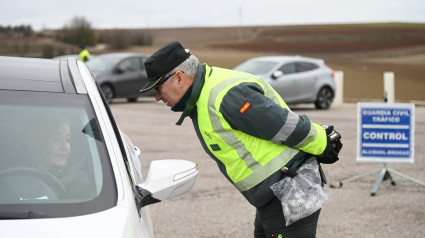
189	66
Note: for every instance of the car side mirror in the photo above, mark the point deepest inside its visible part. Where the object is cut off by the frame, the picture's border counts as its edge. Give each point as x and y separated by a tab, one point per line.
166	179
277	74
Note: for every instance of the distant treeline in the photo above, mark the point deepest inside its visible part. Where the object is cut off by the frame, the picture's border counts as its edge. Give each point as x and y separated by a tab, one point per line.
20	29
21	40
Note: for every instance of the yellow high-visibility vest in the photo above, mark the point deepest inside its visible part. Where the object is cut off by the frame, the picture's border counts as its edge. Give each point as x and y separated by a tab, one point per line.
248	160
83	54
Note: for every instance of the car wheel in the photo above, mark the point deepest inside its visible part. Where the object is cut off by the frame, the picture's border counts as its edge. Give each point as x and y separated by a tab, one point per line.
324	98
132	99
108	92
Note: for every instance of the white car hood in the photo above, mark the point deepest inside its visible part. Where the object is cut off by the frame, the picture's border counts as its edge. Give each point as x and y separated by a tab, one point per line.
114	222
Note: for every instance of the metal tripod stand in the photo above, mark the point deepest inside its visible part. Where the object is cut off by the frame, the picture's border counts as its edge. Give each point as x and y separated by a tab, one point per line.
383	175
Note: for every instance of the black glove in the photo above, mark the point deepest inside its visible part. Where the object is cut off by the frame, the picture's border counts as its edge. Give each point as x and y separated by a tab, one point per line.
334	145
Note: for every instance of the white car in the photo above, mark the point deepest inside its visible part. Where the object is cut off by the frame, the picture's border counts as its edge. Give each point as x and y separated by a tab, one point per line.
66	170
297	79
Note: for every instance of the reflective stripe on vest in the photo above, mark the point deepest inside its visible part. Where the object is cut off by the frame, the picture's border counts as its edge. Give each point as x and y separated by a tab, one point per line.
249	160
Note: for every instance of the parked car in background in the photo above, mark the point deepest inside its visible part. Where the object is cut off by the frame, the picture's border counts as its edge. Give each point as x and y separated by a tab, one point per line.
297	79
66	169
120	75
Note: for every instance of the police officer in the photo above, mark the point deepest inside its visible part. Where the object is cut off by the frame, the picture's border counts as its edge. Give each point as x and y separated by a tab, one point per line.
245	126
83	54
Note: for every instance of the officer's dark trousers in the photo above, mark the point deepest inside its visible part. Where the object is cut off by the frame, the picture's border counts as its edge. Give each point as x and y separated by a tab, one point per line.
270	222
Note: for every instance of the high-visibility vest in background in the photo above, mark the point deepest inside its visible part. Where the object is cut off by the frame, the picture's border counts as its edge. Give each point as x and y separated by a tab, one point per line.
248	160
84	55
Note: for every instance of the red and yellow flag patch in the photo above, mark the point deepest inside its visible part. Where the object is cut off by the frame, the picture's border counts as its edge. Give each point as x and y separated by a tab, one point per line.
245	107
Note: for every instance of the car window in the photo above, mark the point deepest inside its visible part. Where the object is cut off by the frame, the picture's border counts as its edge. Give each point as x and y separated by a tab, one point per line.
288	68
256	67
100	64
130	64
305	66
53	158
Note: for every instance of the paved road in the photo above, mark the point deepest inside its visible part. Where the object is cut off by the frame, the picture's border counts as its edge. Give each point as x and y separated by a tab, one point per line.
215	209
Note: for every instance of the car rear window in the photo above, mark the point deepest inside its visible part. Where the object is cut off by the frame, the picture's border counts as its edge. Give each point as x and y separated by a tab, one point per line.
53	160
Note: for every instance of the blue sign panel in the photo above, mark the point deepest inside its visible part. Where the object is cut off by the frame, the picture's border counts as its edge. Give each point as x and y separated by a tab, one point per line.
386	132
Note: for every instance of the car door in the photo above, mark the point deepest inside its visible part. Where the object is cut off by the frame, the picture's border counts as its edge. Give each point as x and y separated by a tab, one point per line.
131	77
135	172
305	80
143	227
285	84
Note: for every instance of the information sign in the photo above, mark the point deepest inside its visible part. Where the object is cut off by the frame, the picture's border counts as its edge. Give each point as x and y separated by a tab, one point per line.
386	132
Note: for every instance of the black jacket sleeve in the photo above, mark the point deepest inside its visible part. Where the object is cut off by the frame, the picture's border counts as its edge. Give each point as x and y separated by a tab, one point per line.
264	118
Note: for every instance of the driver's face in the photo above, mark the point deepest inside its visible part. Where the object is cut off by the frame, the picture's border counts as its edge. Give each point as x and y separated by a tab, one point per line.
58	147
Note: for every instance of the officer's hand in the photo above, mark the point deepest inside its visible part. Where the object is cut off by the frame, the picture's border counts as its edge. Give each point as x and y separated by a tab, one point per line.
333	147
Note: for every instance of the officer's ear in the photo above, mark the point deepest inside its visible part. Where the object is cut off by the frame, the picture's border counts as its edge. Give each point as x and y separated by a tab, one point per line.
183	79
180	76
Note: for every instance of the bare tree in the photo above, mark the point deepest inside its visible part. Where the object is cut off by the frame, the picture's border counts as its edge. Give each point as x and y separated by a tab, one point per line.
78	22
78	31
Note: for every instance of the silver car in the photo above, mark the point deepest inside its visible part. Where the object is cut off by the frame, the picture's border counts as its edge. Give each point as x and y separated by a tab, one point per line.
297	79
66	169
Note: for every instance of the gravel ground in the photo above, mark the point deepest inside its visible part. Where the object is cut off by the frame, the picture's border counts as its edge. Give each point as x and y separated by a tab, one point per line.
214	208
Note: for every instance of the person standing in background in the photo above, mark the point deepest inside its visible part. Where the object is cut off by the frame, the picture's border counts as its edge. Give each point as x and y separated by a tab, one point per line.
83	53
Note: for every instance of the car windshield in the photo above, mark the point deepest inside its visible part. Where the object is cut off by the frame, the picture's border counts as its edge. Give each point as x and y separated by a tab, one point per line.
100	64
256	67
53	159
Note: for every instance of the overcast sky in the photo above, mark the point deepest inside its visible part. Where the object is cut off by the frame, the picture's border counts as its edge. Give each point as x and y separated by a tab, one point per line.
54	14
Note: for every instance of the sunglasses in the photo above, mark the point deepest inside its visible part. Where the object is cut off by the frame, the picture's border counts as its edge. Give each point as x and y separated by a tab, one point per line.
158	85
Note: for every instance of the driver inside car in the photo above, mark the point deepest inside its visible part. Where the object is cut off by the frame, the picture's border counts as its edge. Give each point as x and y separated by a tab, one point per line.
54	154
53	158
46	167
